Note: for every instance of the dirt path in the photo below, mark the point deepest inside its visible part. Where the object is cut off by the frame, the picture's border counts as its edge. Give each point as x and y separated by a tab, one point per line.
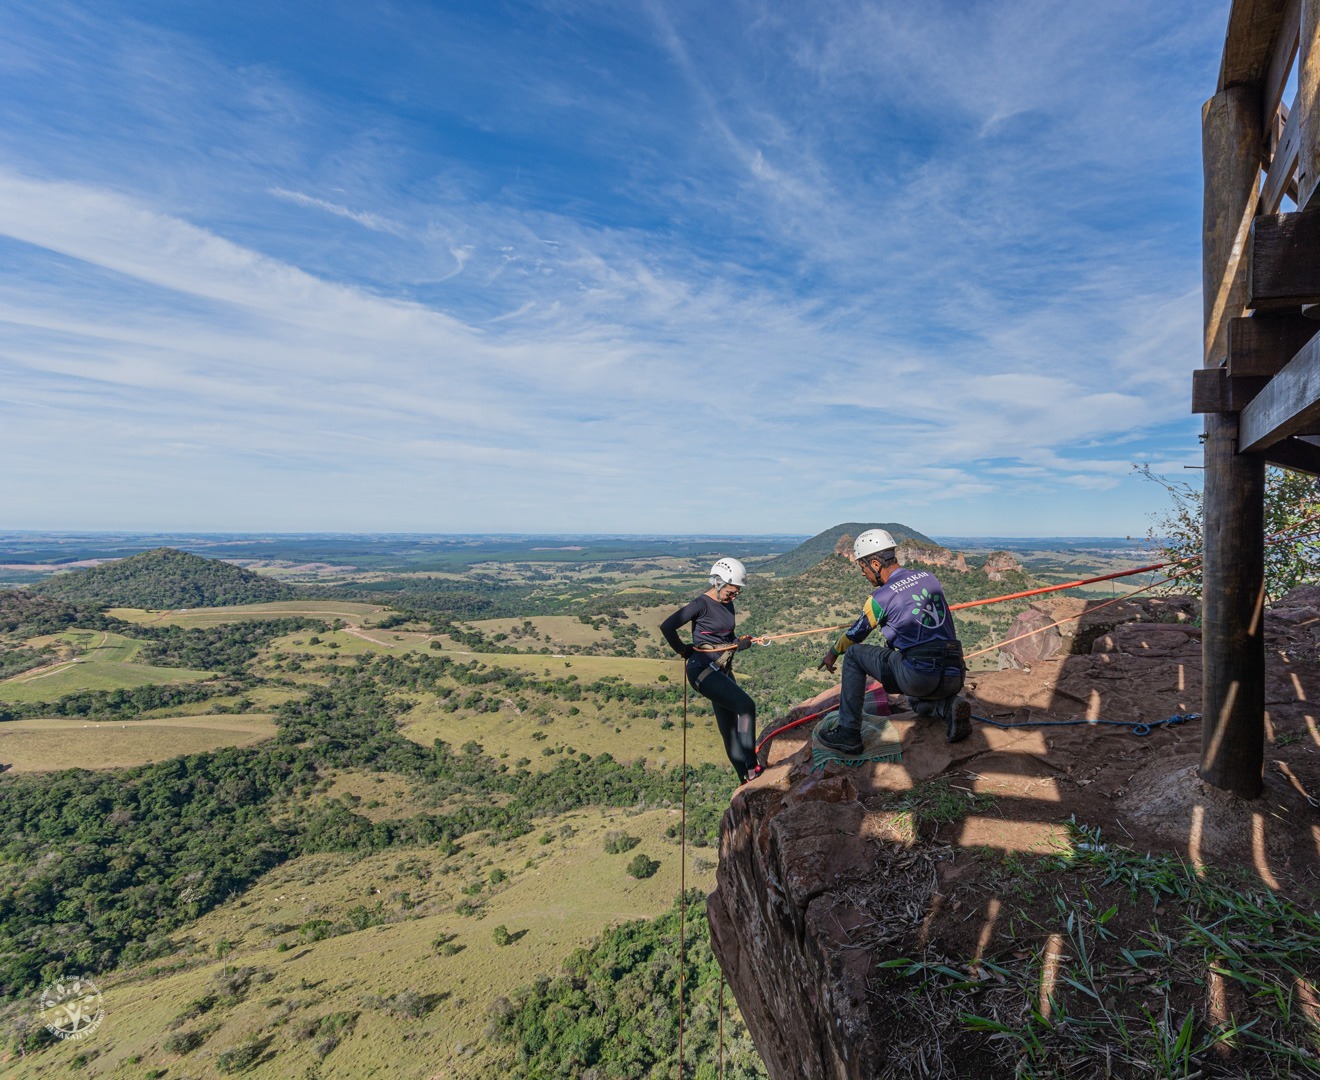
358	633
34	674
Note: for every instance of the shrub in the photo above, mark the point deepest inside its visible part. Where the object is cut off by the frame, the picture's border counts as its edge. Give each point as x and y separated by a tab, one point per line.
617	841
184	1042
501	935
241	1058
642	867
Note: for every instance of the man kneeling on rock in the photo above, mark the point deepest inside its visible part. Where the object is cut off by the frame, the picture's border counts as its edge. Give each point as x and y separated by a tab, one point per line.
921	657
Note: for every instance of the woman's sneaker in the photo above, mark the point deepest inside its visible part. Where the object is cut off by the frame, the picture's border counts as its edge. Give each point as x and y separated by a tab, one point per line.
844	740
958	718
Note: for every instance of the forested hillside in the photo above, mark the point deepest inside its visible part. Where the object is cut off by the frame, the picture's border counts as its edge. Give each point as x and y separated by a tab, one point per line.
165	578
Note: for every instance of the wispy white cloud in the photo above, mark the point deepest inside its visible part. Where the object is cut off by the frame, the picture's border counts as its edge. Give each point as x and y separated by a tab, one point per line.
363	218
852	258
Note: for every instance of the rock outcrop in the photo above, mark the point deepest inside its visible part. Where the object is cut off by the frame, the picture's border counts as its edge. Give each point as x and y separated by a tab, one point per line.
1031	636
1000	563
932	555
826	880
844	546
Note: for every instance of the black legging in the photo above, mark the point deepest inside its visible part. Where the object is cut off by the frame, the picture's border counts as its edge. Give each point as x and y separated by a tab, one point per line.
735	712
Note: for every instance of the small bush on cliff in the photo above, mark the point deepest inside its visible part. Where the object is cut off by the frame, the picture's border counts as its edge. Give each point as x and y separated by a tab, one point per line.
1292	500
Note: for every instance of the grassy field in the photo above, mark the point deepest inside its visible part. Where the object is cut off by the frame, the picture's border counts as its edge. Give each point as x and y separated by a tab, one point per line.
514	736
47	745
556	631
49	684
557	896
263	698
312	609
96	660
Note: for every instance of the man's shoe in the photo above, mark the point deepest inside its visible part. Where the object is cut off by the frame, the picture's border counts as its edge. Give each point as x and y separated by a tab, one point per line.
959	712
925	708
844	740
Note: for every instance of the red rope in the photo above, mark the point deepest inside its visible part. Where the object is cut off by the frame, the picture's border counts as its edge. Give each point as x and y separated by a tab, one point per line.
805	719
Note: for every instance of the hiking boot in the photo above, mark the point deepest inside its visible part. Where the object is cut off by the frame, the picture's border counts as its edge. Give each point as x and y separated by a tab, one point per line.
844	740
925	708
958	716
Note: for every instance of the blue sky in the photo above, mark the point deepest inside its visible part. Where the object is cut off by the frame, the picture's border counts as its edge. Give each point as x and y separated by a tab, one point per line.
575	266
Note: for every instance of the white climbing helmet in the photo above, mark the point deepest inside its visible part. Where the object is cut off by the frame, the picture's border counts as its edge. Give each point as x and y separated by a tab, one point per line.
873	542
729	572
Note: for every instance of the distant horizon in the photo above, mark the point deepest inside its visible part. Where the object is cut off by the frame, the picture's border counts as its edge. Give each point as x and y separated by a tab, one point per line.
284	534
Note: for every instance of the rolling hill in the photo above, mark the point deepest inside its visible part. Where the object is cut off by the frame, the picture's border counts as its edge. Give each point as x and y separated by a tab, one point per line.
165	578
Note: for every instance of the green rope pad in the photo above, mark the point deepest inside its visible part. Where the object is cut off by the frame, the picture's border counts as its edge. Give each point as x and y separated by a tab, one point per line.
880	742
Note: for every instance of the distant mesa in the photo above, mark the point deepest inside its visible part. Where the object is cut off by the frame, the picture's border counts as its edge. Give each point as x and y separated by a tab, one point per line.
165	578
999	564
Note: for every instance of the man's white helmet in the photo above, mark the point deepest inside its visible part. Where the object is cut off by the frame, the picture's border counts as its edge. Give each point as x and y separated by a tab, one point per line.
873	542
729	572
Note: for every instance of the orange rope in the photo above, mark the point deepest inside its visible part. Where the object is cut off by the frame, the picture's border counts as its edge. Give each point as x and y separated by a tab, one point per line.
1071	618
1057	588
967	603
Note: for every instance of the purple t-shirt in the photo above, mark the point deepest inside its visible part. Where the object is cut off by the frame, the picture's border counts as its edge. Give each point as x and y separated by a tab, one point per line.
909	610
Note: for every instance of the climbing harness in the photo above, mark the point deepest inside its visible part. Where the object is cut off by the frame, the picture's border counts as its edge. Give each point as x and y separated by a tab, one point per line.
1135	727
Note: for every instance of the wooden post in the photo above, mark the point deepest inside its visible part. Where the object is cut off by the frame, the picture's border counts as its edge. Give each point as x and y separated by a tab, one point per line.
1308	104
1233	643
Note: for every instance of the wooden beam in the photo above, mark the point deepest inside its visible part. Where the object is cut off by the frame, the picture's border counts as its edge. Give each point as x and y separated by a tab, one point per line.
1289	404
1264	343
1282	56
1301	453
1253	26
1215	391
1230	156
1308	104
1284	261
1278	179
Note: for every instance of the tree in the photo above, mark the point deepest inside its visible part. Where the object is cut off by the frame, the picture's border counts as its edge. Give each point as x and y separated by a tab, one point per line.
642	867
1292	523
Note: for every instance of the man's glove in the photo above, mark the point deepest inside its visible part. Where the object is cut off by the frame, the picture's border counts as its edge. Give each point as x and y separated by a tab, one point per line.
827	664
686	651
745	642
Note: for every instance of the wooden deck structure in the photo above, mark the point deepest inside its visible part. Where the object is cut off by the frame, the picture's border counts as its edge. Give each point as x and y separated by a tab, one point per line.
1260	385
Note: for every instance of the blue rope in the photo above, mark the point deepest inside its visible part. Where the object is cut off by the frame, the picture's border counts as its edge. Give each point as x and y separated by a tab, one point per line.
1136	728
